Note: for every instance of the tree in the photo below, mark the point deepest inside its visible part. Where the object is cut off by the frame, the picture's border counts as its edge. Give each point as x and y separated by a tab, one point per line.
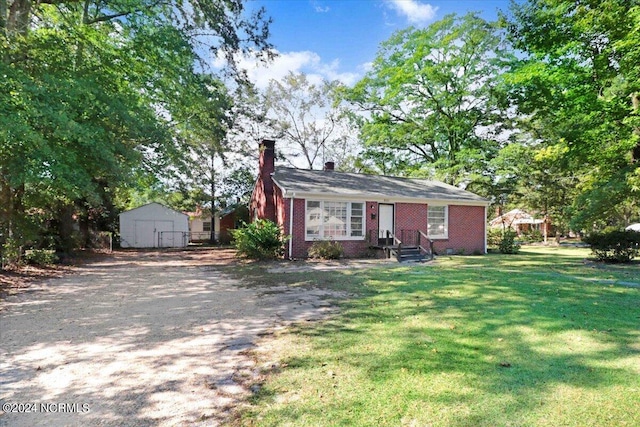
302	115
537	178
204	132
578	86
237	185
96	94
432	97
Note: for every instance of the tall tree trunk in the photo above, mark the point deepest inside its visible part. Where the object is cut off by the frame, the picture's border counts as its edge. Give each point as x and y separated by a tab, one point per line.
19	16
212	237
6	208
3	15
65	228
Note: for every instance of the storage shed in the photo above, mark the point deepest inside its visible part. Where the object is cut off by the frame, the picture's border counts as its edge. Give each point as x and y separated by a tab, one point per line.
153	226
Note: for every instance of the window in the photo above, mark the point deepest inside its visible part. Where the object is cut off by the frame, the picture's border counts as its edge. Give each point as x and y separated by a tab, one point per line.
206	226
437	222
314	219
334	220
357	220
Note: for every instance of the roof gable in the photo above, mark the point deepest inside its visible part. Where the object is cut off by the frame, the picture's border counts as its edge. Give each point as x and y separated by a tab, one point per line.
151	206
341	184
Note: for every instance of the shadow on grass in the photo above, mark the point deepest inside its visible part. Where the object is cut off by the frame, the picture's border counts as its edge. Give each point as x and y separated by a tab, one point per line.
492	336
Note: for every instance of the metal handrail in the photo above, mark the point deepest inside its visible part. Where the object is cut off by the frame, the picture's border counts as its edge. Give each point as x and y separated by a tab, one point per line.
420	236
399	244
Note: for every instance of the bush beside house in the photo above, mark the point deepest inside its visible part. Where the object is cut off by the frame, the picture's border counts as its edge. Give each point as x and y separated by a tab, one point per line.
260	240
614	246
326	249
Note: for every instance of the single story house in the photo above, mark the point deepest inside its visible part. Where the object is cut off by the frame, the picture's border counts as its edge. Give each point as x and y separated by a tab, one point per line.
365	211
521	222
200	225
227	219
153	226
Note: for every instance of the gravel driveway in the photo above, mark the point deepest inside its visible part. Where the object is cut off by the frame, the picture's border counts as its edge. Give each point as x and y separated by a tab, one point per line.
148	339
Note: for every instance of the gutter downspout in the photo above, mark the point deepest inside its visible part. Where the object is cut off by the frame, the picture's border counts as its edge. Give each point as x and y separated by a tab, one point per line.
291	224
485	229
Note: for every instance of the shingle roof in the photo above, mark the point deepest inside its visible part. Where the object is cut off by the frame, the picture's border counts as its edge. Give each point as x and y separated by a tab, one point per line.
332	183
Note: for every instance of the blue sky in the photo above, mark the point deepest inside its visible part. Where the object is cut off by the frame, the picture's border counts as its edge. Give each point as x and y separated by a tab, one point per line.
336	39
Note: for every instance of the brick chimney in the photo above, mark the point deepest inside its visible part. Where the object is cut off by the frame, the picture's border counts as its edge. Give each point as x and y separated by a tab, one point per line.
328	166
267	157
266	205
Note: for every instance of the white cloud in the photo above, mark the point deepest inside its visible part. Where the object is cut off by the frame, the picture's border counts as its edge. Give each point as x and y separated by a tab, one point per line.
366	67
414	11
319	8
306	62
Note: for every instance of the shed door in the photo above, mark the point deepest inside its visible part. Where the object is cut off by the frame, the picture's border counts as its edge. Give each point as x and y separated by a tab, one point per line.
148	234
385	224
145	234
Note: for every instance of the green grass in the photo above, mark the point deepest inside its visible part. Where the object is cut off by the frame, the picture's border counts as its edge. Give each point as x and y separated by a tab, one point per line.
542	338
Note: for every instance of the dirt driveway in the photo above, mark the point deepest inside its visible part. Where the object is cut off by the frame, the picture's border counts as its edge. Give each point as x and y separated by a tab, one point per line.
139	339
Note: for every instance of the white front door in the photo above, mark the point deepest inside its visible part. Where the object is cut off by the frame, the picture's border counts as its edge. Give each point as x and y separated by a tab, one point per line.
385	223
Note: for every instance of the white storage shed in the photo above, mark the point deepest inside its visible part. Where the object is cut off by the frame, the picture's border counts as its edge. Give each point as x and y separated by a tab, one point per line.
153	226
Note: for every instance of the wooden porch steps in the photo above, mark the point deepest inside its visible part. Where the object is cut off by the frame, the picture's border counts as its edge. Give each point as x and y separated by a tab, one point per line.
407	254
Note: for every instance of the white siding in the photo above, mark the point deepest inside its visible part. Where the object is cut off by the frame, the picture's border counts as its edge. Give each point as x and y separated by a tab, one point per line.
153	225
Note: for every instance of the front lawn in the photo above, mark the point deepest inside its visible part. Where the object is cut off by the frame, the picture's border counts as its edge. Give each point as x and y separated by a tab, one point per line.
543	338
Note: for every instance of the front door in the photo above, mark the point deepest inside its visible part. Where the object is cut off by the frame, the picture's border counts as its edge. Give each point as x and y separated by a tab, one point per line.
385	224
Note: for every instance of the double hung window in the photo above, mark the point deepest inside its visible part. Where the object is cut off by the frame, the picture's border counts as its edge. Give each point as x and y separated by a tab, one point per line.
438	222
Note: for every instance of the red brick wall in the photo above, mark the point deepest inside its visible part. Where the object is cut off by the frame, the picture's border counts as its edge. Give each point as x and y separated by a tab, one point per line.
466	227
263	198
466	230
371	223
299	249
227	223
410	216
280	212
257	206
352	248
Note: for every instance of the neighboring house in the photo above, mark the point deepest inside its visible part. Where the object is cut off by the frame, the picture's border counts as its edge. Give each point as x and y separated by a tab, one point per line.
153	226
521	222
365	211
232	217
200	226
227	219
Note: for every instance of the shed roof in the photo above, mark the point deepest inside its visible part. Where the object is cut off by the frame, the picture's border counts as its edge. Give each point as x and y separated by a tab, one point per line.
342	184
151	206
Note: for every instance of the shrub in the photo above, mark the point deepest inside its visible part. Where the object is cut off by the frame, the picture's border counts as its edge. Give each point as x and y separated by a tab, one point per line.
508	244
615	245
494	236
533	236
41	256
10	252
262	239
326	249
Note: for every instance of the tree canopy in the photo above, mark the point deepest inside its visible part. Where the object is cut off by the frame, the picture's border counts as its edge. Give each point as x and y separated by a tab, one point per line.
432	98
96	94
106	103
302	115
577	87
